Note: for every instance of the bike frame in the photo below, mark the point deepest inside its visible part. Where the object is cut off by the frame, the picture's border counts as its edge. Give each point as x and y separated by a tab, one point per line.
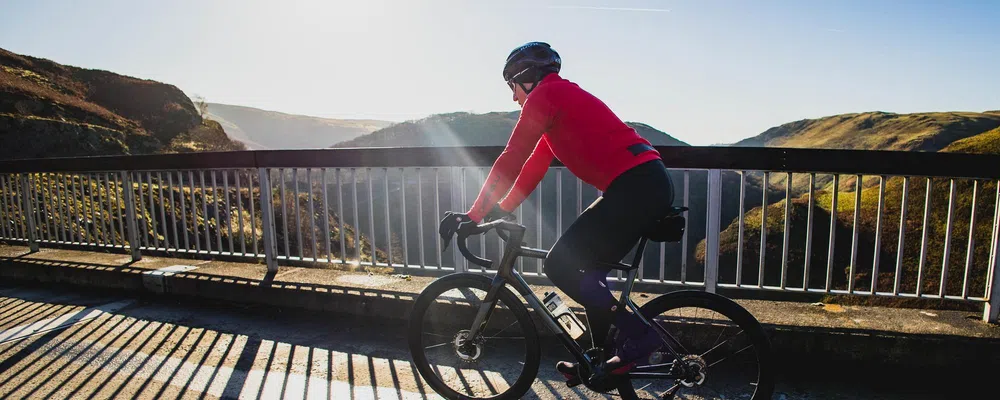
507	274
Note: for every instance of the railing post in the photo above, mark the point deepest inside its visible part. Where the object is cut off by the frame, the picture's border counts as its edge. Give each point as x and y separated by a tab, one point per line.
712	230
456	205
267	219
991	311
28	212
130	217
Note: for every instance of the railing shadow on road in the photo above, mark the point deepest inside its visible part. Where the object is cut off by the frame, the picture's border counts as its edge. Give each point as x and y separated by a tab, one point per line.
269	279
129	354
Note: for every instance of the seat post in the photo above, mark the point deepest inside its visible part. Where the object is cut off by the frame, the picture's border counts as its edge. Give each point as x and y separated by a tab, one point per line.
633	271
638	252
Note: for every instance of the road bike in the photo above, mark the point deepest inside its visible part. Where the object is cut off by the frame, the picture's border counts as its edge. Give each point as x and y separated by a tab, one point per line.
482	326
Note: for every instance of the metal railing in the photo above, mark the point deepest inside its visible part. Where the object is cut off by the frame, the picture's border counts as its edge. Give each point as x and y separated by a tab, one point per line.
918	225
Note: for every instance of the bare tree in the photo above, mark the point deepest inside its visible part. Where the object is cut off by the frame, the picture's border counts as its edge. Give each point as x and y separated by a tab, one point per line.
201	105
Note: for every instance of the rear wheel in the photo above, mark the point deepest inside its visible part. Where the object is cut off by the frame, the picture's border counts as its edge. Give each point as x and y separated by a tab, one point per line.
501	362
725	351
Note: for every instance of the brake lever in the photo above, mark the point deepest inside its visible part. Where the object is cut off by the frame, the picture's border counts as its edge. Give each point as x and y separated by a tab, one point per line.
457	235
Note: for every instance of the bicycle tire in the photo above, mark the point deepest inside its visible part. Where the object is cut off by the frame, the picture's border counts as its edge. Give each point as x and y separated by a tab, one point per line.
513	303
728	308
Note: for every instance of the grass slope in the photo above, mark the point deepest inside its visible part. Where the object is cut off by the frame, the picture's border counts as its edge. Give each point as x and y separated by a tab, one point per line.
877	130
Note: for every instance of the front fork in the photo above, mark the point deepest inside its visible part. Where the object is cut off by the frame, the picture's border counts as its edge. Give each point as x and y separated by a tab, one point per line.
486	309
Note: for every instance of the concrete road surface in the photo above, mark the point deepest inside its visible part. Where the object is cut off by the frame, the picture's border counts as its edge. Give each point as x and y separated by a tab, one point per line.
63	343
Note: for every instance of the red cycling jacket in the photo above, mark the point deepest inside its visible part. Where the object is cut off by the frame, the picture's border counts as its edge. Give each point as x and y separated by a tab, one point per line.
561	120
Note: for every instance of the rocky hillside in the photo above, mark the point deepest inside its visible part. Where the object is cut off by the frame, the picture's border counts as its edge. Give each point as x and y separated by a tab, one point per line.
262	129
466	129
52	110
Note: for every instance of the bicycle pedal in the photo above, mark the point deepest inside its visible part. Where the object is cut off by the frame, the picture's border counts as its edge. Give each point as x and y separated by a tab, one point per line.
572	382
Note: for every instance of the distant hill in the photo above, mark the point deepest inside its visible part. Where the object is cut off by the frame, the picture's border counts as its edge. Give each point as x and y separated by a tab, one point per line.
262	129
466	129
877	131
53	110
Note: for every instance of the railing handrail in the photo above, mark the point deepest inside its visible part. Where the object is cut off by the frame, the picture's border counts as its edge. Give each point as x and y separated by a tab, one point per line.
867	162
156	212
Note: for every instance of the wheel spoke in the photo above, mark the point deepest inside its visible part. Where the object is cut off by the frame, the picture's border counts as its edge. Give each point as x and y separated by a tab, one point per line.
720	336
672	338
724	358
437	345
720	344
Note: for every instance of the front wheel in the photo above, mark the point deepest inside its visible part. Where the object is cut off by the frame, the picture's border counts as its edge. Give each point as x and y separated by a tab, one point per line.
501	362
723	348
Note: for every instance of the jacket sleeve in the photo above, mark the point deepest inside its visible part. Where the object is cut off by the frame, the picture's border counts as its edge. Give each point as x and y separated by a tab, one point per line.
532	123
531	174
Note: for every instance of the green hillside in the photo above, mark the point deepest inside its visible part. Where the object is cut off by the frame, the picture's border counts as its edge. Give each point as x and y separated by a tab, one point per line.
877	131
983	143
263	129
871	131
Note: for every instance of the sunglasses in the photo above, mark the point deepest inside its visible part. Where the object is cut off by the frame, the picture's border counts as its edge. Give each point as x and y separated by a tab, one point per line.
510	82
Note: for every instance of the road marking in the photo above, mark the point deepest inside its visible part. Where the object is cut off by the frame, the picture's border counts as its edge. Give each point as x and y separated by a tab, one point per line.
61	322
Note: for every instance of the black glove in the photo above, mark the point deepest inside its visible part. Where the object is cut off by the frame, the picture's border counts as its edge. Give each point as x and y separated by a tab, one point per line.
498	213
450	224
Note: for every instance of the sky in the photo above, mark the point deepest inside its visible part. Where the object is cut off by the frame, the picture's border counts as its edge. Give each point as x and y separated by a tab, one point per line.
706	71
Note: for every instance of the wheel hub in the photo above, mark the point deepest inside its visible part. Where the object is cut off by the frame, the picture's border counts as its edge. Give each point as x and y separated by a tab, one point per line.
694	367
467	350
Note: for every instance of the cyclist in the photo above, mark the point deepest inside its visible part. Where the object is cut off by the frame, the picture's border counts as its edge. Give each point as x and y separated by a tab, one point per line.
560	120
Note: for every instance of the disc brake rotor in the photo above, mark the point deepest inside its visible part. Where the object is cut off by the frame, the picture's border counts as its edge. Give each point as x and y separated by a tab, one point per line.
466	350
696	366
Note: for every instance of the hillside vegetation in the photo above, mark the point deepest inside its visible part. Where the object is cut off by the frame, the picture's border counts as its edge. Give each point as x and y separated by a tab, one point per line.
983	143
877	131
878	241
53	110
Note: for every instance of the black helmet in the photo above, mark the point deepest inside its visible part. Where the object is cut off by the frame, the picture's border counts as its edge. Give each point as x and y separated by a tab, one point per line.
537	57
